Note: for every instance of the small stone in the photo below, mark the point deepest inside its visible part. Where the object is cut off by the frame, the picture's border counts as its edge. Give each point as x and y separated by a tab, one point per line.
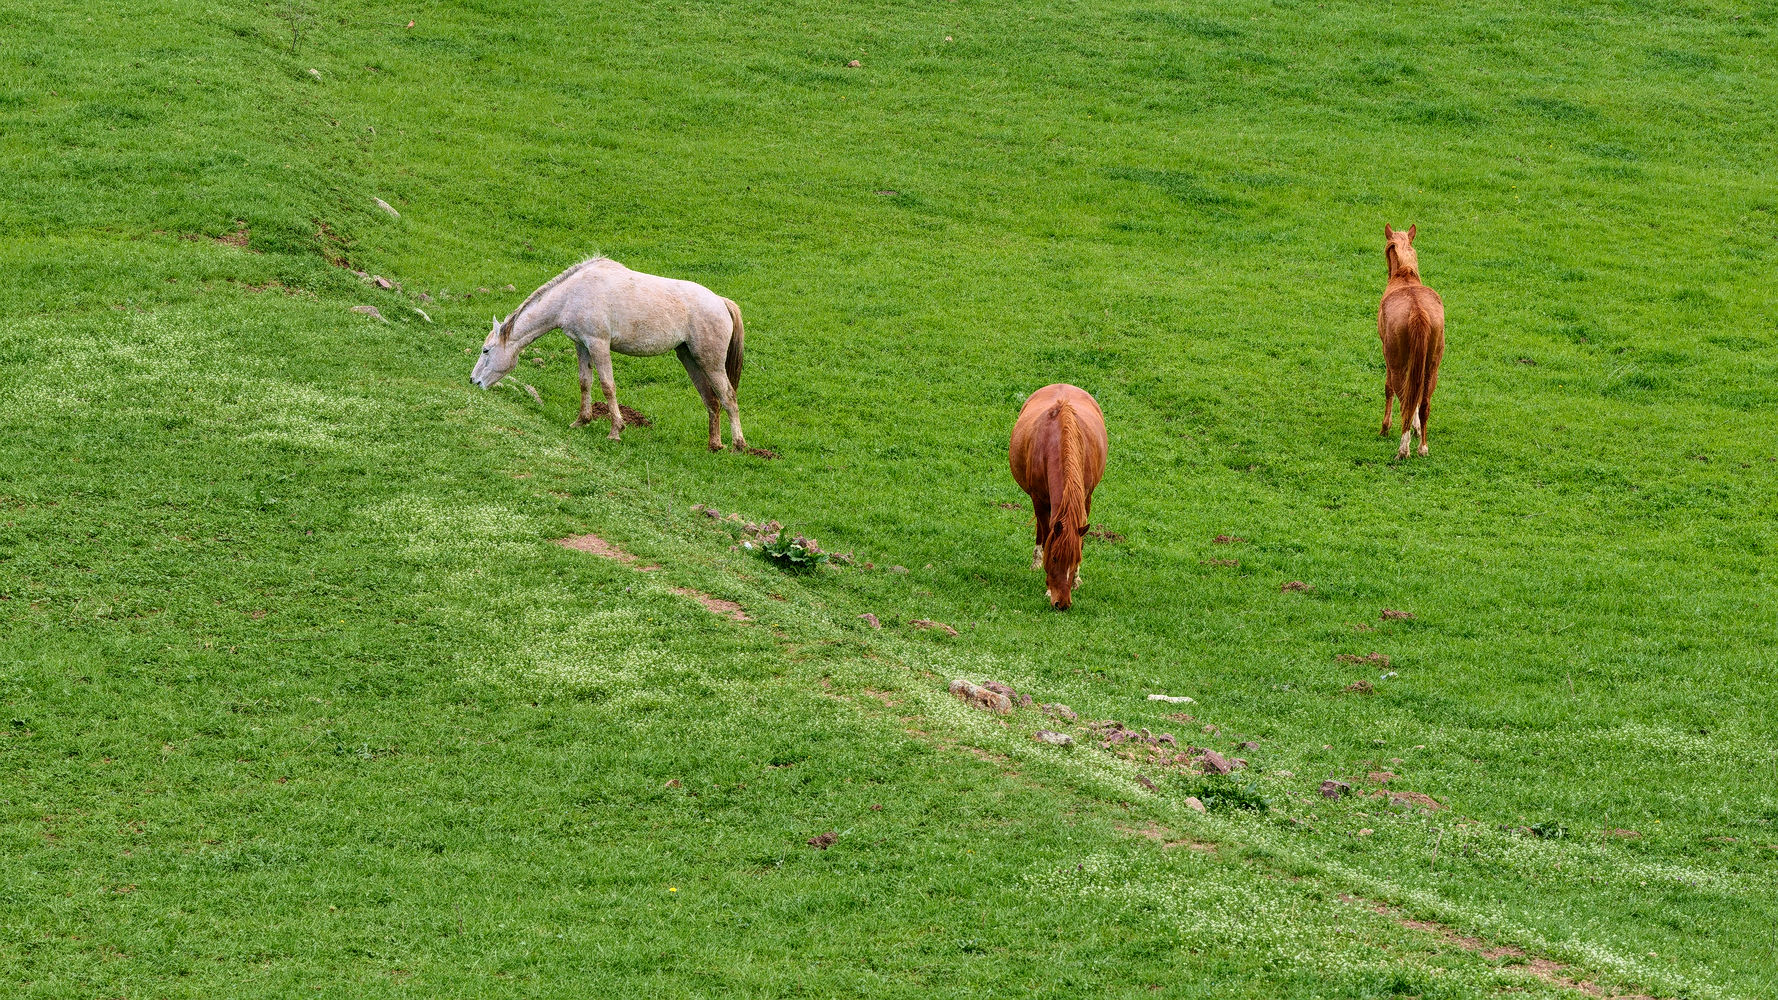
980	697
927	623
1367	831
673	783
872	619
1331	789
1248	745
876	807
1172	699
385	206
510	288
1060	711
1195	804
370	311
1215	763
382	282
854	64
315	73
1053	738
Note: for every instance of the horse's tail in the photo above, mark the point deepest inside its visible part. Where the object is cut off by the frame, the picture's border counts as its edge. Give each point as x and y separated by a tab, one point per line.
1068	511
734	346
1418	376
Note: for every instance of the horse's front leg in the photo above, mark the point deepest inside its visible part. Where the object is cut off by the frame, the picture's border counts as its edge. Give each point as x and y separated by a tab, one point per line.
586	385
601	352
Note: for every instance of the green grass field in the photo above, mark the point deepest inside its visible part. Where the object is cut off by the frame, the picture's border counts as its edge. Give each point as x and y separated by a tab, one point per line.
302	698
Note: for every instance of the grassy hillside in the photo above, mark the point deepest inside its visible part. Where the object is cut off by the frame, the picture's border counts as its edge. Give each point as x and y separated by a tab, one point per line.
302	696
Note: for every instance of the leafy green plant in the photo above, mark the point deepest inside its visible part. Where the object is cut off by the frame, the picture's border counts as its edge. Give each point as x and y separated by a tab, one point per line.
1226	792
798	554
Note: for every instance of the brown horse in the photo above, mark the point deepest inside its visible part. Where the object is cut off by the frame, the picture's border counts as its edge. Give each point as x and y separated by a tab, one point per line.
1057	456
1411	324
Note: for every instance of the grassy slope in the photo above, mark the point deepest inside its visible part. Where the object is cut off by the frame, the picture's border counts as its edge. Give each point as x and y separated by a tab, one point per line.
1176	209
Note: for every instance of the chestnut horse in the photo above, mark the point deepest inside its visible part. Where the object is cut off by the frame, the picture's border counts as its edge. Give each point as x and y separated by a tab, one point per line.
1411	324
1057	456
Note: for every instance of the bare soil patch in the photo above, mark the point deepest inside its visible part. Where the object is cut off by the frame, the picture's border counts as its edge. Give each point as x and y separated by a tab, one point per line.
765	453
1374	659
1545	969
714	605
601	411
1294	586
1103	534
603	549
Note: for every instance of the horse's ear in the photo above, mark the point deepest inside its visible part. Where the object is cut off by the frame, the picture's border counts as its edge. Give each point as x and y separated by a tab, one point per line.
1411	233
1388	233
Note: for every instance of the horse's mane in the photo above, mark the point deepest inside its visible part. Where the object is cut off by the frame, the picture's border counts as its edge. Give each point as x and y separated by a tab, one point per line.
506	327
1068	512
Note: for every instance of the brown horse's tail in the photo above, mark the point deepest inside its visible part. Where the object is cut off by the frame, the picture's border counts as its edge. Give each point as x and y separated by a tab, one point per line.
1419	374
734	346
1068	512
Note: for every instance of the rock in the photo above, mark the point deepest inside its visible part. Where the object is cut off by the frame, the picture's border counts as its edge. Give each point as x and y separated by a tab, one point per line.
510	288
1172	699
382	282
481	291
1214	763
1060	711
1239	763
927	623
1331	789
422	313
1248	745
1380	777
854	64
822	842
370	311
315	73
425	298
980	697
1210	727
876	807
872	619
1195	804
1053	738
385	206
1146	783
1367	831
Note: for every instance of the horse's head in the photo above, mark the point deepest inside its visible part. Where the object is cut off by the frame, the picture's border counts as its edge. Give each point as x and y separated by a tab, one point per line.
1398	250
1061	563
498	357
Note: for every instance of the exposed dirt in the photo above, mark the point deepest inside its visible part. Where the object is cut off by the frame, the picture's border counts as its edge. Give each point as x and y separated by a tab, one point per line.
1361	687
1010	506
1167	838
927	624
603	549
1549	971
823	841
1103	534
1374	659
1390	614
1228	539
871	620
1295	585
981	697
601	411
714	605
765	453
1221	562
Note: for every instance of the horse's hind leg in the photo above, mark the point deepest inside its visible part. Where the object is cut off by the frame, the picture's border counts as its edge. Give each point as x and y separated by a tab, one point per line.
1041	509
1388	404
706	392
726	394
586	385
601	352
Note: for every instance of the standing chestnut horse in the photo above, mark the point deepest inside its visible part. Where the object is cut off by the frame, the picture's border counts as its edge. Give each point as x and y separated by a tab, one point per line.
1411	324
1057	456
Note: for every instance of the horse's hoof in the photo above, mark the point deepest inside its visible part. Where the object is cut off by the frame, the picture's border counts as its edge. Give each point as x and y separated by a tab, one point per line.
1423	451
1384	432
1037	560
614	436
716	446
581	422
1402	455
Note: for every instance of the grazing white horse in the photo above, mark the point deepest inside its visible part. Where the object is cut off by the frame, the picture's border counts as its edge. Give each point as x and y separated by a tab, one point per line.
604	306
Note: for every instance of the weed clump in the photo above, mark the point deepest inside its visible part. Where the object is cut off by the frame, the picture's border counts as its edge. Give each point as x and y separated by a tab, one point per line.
1217	792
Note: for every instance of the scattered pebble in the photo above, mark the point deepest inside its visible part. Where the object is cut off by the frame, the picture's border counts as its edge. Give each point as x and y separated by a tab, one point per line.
854	64
1172	699
1331	789
1195	804
370	311
1060	711
1053	738
1214	763
382	282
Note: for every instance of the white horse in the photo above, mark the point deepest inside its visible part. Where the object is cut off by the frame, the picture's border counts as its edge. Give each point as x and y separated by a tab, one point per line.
604	306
